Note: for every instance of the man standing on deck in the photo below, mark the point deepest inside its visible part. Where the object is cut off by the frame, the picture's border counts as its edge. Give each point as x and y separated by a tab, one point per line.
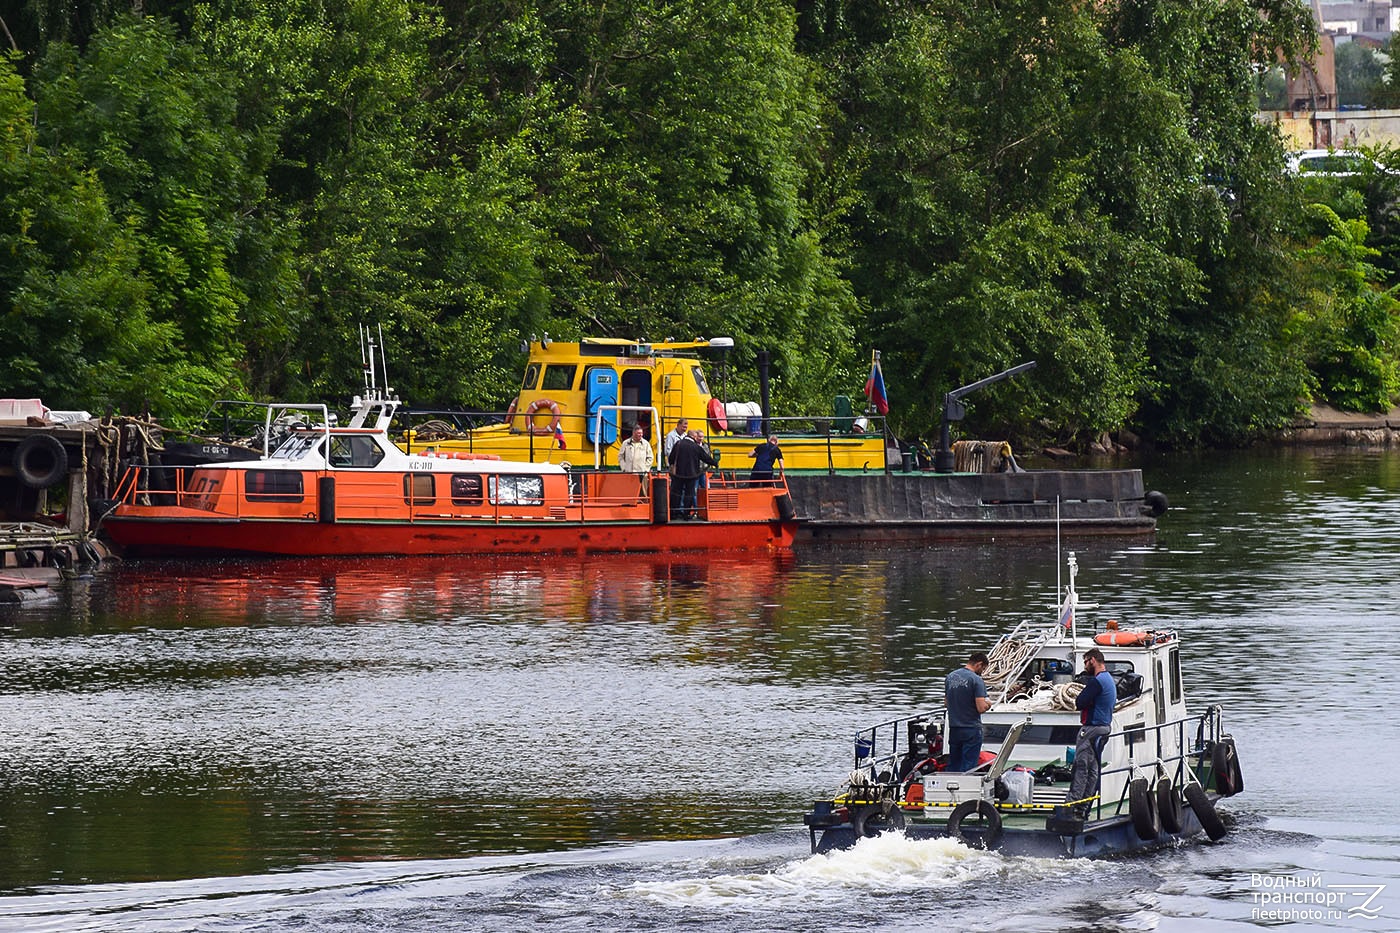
966	698
688	458
1095	703
668	443
635	455
764	457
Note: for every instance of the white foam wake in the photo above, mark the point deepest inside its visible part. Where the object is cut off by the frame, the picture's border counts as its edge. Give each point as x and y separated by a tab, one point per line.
888	863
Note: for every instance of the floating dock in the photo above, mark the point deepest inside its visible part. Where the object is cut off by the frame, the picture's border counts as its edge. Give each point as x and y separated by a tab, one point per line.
922	506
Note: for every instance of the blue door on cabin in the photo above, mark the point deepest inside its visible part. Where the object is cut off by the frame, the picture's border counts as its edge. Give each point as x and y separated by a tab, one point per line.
602	390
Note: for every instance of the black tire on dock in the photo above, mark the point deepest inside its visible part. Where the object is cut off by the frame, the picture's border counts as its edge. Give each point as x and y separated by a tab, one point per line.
874	819
40	461
1155	504
986	815
1169	808
1205	811
1143	810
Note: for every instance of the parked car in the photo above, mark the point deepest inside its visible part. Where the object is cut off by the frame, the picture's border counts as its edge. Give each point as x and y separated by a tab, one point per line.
1334	162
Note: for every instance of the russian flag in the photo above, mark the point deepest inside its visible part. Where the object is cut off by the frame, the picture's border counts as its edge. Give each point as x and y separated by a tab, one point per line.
875	386
559	436
1067	612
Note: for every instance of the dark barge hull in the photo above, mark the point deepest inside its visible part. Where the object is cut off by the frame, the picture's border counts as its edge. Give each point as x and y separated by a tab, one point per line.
887	507
1099	838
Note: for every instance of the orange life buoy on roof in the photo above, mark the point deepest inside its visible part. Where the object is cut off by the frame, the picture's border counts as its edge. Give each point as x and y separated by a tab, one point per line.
510	412
535	406
718	421
1123	639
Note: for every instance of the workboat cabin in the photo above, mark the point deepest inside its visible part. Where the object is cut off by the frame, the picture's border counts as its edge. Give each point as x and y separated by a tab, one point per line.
578	401
1163	766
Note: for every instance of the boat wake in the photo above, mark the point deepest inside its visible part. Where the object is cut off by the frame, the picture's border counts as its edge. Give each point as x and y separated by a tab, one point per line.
890	863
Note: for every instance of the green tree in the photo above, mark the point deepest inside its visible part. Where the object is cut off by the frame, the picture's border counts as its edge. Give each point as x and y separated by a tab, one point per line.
1350	322
76	307
1036	185
156	126
1359	73
710	205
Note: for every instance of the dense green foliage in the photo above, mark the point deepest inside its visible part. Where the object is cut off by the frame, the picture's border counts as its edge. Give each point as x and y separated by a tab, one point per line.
205	200
1359	74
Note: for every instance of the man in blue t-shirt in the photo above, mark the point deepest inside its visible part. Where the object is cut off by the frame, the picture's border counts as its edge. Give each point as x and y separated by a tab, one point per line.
1095	703
966	698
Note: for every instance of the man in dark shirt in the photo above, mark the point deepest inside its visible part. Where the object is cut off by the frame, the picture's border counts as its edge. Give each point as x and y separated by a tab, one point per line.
764	457
686	459
966	698
1095	704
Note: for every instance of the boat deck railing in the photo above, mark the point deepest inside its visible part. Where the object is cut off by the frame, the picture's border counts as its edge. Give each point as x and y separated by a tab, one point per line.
1165	750
1159	757
881	746
497	495
425	427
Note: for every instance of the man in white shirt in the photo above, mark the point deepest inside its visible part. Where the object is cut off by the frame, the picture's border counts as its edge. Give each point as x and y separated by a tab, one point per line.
678	432
635	455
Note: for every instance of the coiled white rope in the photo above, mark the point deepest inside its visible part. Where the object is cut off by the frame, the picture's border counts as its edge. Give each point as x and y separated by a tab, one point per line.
1007	659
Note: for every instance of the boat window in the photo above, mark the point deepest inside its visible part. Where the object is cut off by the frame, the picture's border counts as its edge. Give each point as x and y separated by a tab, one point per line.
273	485
517	490
700	383
532	376
466	489
559	378
1174	672
418	488
1160	694
352	452
1032	734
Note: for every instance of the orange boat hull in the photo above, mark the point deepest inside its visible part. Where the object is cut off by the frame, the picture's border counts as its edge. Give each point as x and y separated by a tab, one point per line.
180	537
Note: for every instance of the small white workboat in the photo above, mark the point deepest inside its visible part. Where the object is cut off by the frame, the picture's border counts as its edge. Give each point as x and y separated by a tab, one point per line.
1163	767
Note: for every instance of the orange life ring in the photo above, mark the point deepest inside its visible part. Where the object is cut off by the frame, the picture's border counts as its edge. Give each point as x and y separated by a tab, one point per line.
718	421
510	411
535	406
1123	639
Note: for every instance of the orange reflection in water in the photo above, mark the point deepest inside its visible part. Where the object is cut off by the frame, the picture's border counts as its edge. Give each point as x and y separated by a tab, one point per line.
346	591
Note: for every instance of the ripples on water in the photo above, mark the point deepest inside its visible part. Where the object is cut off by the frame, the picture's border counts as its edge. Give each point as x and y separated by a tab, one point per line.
472	745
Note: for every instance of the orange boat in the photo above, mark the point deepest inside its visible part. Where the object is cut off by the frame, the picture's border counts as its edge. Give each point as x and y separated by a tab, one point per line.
349	491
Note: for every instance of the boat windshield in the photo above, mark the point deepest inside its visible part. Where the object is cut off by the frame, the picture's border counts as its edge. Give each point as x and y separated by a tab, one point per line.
296	446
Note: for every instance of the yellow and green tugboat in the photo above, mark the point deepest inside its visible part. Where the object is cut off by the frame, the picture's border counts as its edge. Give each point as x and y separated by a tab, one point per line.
579	401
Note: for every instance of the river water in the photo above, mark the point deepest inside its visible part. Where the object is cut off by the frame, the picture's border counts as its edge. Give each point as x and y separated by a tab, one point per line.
629	744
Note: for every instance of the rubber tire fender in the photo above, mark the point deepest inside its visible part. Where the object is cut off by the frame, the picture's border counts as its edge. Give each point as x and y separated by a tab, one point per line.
40	461
1225	762
874	819
1238	775
1205	811
1143	810
1155	504
1169	806
991	837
